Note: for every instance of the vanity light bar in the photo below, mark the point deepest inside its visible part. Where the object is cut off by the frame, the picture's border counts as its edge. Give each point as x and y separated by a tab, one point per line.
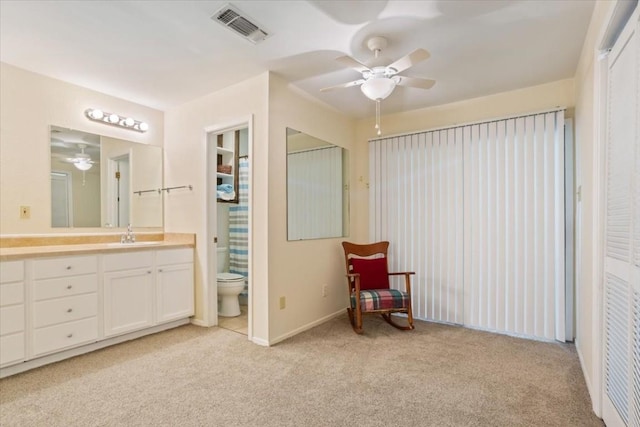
115	119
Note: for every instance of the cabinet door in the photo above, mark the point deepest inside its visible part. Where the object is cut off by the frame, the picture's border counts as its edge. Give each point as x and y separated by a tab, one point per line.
175	292
128	301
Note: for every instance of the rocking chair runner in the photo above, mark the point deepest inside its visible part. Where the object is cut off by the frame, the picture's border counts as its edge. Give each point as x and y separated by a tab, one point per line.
369	290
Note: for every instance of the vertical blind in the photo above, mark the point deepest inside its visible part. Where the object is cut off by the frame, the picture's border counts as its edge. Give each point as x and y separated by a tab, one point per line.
314	193
477	211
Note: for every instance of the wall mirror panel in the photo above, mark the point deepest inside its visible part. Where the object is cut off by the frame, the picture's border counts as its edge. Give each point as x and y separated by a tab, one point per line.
317	188
98	181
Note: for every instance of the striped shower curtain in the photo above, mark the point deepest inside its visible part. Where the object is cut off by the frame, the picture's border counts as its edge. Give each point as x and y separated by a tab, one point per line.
239	223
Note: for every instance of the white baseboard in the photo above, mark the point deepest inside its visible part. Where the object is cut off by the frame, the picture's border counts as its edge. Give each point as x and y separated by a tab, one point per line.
305	327
260	341
587	379
200	322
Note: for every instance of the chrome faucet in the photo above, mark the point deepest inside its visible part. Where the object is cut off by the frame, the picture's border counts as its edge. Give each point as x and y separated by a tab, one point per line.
129	236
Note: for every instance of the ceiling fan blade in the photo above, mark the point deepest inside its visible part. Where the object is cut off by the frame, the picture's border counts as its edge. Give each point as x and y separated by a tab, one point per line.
408	60
343	85
416	82
352	63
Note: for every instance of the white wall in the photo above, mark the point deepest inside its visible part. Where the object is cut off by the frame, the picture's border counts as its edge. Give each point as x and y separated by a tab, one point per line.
590	221
185	164
298	269
29	104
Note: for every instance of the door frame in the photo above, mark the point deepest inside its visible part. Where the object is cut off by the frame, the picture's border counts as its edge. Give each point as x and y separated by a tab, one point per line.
210	270
617	16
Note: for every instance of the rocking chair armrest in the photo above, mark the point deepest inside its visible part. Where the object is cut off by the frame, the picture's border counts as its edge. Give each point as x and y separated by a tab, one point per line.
356	283
407	279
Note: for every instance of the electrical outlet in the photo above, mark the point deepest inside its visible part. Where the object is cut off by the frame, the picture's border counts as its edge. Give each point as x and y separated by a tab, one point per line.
25	212
324	290
283	303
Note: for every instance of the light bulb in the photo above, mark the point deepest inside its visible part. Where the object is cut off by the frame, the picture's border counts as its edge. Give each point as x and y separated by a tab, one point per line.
129	122
96	114
114	118
143	126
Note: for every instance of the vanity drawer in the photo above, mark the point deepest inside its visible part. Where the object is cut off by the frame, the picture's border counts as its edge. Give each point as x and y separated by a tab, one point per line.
174	256
61	267
128	260
51	312
64	286
11	294
11	319
65	335
12	349
11	271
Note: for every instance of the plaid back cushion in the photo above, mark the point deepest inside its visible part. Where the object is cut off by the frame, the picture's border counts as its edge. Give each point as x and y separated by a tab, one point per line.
373	272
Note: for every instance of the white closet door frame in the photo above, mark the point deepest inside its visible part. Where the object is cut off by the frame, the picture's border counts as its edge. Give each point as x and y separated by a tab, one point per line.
621	281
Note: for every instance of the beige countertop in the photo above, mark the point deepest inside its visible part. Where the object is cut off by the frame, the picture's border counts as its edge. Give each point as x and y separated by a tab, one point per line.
22	252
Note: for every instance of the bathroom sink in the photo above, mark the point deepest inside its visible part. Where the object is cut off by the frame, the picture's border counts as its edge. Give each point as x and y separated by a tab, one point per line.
132	245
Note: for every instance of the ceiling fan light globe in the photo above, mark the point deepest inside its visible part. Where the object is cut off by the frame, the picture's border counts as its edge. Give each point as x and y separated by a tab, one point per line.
83	165
378	88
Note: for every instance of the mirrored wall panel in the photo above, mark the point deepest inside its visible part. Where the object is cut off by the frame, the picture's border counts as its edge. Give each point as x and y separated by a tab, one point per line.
317	188
97	181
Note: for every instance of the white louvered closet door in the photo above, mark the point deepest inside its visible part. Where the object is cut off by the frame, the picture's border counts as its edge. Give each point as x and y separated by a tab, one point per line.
621	401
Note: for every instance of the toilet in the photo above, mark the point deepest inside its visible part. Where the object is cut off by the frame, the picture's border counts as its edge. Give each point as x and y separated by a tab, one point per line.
229	287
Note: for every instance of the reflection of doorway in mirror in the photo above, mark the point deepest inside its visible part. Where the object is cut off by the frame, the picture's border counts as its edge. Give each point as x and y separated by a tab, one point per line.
61	208
119	190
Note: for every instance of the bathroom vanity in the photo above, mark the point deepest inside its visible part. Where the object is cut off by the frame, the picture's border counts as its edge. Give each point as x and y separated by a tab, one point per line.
63	300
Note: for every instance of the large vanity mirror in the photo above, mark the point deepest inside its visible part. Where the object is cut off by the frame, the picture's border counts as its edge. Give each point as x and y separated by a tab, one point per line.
317	188
98	181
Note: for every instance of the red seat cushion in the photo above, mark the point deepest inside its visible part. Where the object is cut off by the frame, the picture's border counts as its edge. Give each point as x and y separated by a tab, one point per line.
373	272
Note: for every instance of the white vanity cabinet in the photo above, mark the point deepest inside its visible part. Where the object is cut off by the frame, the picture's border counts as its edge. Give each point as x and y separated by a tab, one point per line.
174	284
55	307
129	283
64	301
12	313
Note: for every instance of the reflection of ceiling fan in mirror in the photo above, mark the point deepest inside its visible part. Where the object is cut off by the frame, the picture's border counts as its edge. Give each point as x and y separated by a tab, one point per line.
378	82
81	160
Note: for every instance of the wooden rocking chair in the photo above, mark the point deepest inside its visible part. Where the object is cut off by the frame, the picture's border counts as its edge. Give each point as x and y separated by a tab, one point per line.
369	290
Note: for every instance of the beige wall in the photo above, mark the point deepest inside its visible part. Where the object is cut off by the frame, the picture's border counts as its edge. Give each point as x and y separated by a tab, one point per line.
589	221
186	164
29	104
526	100
294	270
299	269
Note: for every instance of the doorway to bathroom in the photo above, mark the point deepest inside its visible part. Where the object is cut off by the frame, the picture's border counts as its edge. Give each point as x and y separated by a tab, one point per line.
228	196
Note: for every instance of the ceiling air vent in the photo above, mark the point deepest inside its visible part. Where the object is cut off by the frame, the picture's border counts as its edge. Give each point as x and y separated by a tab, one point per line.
232	18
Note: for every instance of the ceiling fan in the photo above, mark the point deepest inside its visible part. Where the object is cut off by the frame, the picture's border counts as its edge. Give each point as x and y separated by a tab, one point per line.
81	160
378	82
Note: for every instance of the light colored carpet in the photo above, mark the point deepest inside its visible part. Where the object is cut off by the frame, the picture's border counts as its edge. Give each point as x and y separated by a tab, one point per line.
436	375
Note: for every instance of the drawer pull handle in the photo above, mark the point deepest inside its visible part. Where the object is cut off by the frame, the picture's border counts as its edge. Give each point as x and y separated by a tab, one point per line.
69	286
69	310
68	267
70	336
160	270
148	271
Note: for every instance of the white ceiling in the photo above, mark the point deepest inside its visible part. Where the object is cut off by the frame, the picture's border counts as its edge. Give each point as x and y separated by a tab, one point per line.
164	53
